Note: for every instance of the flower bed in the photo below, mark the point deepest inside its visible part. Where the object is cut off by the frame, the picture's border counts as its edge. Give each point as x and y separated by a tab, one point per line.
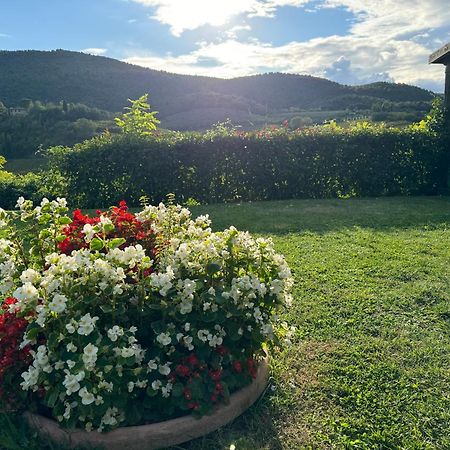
126	319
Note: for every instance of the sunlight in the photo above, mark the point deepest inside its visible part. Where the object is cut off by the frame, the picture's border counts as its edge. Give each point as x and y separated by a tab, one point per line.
190	15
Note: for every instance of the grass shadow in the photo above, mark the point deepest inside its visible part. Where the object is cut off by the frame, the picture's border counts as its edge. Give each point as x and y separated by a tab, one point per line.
327	215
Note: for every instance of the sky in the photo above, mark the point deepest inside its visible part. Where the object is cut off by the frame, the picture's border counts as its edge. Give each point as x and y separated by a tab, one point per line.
348	41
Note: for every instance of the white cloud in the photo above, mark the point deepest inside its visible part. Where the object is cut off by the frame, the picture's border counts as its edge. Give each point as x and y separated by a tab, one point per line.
233	32
182	15
386	41
4	35
95	51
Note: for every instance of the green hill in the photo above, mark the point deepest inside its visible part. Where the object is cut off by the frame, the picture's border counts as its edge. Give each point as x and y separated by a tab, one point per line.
183	101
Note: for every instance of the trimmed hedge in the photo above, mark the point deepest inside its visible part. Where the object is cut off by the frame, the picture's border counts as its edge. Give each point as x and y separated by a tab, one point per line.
272	164
31	186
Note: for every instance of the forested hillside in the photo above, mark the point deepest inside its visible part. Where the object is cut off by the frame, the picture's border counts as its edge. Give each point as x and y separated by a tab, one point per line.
188	102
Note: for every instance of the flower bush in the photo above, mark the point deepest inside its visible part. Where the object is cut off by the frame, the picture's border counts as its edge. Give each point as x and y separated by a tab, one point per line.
122	319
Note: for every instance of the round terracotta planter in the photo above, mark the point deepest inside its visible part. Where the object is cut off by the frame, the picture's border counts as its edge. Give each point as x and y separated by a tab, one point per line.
156	435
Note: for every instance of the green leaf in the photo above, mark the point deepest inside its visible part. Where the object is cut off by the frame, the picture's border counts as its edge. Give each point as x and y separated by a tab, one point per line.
52	397
108	227
151	392
106	308
177	390
213	268
158	326
116	242
45	218
97	244
64	220
33	330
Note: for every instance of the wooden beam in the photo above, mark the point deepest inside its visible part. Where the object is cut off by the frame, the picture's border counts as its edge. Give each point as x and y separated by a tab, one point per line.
447	87
441	56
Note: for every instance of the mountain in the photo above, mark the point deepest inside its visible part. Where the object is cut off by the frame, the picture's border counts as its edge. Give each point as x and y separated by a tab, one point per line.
183	101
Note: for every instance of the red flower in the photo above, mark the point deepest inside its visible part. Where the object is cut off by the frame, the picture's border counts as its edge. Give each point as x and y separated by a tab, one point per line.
237	365
182	371
126	226
187	393
193	405
222	350
251	367
13	359
192	360
215	375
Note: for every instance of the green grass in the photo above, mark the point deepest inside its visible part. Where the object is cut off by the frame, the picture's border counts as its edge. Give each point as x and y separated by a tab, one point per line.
370	367
25	165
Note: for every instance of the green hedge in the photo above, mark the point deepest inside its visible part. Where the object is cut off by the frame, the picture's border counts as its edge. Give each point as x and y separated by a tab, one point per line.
30	186
272	164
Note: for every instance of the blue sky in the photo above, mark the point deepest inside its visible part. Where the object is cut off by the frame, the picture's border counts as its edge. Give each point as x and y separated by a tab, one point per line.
349	41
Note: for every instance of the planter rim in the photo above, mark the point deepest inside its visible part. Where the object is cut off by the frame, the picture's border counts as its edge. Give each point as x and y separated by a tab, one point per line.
156	435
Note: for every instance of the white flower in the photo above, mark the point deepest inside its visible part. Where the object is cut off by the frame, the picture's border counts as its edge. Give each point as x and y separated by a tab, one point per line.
152	365
86	324
164	339
141	384
114	333
215	341
66	414
165	390
156	385
20	202
30	378
29	276
111	417
127	352
71	328
90	356
86	397
105	385
71	347
72	382
89	232
187	340
58	304
164	369
203	335
59	365
186	306
70	363
26	292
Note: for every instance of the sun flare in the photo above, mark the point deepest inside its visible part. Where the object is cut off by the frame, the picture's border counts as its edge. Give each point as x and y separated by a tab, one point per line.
183	15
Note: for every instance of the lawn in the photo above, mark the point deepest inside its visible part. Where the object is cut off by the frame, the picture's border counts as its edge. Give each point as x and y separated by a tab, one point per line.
370	367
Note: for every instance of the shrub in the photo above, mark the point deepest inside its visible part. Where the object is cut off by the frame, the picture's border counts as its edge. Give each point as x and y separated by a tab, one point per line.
31	185
134	318
327	161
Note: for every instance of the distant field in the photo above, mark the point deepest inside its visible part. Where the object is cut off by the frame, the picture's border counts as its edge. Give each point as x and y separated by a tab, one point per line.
24	165
369	368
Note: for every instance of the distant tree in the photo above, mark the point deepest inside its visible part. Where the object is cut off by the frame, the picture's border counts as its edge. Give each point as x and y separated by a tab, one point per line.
139	120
